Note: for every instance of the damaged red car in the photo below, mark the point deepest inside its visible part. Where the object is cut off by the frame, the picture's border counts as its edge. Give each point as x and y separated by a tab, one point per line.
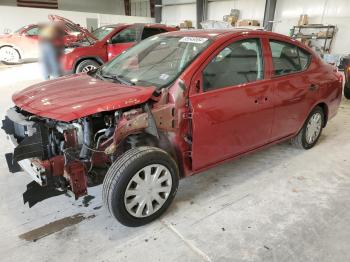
172	106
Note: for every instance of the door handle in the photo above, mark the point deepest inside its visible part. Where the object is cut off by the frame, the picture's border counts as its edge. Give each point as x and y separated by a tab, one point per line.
313	87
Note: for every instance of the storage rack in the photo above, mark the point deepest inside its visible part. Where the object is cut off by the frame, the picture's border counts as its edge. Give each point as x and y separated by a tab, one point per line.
318	32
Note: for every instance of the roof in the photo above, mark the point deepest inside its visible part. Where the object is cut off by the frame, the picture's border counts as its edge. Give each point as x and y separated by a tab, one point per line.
214	33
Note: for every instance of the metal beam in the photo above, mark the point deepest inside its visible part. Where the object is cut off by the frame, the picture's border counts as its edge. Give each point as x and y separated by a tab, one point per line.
158	11
269	15
201	11
127	7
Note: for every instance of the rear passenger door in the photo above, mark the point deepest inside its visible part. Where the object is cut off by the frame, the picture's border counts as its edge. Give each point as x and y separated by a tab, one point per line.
294	90
232	112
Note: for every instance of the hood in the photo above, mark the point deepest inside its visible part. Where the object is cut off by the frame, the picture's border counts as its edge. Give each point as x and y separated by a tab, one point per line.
73	26
72	97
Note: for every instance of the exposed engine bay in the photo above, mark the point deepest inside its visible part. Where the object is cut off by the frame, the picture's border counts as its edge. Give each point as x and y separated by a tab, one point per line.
74	155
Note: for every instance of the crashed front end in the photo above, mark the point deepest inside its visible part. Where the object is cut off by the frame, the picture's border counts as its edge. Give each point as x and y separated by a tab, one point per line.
57	154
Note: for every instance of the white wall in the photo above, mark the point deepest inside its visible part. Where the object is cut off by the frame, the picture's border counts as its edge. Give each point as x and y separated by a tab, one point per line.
13	18
115	7
140	7
249	9
174	14
334	12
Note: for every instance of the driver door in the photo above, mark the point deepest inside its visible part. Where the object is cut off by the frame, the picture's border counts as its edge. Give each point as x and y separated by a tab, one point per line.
122	41
232	113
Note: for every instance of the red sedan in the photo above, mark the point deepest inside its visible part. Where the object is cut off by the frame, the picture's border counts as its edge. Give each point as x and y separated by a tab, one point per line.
170	107
22	45
111	41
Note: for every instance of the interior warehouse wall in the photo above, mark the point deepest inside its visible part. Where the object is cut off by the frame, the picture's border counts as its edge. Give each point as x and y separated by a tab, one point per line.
334	12
176	11
140	8
12	18
115	7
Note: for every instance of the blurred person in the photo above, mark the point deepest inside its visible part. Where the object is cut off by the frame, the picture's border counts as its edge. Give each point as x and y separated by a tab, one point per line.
51	47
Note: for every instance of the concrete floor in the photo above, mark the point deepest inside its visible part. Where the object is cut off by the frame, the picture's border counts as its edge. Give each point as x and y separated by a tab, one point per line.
280	204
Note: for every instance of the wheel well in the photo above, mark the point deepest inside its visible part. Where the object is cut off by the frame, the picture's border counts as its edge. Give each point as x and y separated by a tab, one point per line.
96	59
325	112
145	139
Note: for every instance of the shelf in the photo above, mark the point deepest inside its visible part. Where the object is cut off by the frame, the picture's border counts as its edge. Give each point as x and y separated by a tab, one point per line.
315	26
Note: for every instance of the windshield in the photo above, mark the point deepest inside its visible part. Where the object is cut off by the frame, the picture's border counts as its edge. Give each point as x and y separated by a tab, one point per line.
21	29
156	61
101	32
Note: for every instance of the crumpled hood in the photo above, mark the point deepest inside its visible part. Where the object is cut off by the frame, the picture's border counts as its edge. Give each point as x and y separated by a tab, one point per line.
72	97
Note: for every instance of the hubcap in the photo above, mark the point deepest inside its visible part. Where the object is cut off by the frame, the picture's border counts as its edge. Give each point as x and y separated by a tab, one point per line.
88	68
313	128
8	54
148	190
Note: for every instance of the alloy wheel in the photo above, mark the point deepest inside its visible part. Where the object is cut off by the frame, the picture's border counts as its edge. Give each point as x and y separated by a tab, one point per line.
88	68
9	55
148	190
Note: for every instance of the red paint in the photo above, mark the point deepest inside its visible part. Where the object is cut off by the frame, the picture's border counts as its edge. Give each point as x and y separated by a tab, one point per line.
103	50
76	96
224	123
27	45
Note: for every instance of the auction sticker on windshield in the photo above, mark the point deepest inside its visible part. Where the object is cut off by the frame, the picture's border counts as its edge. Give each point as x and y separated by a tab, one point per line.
195	40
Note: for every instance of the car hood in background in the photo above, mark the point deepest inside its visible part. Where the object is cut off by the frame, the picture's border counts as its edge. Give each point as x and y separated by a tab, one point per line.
72	97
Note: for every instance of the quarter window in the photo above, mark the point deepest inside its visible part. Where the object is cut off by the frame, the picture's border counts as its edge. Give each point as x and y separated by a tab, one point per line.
288	58
240	62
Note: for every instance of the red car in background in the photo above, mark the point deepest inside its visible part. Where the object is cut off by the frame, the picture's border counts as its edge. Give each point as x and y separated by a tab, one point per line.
112	40
22	45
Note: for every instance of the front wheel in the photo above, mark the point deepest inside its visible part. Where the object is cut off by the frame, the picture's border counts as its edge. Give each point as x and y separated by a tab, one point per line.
311	131
347	90
140	185
9	55
86	66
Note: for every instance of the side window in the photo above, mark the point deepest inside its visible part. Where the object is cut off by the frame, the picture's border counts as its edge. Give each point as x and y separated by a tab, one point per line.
240	62
33	31
147	32
305	59
125	36
288	58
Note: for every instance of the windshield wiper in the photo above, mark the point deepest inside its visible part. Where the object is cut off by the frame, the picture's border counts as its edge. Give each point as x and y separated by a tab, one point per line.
119	79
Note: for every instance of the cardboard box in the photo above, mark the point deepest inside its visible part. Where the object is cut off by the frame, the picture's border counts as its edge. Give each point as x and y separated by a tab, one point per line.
186	24
232	20
303	20
248	23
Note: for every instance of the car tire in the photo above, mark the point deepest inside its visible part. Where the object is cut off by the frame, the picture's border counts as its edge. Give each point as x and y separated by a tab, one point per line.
311	130
9	55
154	172
347	90
86	66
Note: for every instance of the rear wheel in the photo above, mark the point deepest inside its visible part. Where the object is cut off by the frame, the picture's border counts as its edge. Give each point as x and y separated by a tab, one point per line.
140	185
9	55
311	131
86	66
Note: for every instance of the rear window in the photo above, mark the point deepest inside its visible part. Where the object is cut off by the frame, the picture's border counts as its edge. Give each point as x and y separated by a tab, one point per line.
288	58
